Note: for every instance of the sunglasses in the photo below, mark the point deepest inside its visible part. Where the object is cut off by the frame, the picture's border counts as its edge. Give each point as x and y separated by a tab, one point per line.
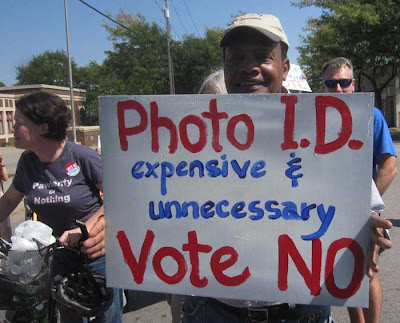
333	83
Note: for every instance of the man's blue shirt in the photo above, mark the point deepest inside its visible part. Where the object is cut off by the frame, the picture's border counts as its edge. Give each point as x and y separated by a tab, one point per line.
383	143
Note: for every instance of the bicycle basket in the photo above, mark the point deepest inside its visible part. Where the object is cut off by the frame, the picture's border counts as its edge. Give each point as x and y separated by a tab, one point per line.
24	278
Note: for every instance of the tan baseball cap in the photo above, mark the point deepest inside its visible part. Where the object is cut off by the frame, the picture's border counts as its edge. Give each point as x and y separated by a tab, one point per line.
268	25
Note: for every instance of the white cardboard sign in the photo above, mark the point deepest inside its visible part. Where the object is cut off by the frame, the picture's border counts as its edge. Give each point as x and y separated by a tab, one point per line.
256	197
296	80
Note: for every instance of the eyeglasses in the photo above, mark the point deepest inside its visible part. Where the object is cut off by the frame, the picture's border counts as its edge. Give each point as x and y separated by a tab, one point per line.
344	83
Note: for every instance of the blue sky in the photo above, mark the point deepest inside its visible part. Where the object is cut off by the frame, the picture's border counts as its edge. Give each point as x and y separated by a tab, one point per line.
30	27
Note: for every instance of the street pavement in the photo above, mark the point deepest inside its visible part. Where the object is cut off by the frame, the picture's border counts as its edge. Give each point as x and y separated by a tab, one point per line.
146	307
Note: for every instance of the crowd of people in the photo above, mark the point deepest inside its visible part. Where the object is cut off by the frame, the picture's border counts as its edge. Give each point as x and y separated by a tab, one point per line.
255	61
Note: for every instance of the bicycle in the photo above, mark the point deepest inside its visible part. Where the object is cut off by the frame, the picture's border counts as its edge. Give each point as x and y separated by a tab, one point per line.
26	276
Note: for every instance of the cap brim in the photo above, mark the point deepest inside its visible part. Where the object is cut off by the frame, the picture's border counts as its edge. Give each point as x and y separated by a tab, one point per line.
228	35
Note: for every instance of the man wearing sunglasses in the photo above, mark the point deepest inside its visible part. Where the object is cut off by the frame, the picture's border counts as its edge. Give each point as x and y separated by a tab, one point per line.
337	77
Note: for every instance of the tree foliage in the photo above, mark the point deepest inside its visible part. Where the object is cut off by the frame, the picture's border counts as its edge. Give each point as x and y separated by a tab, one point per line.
138	63
91	79
2	84
196	58
50	67
366	31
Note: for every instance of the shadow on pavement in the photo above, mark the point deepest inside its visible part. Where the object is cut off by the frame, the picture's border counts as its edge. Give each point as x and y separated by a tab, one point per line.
138	299
395	136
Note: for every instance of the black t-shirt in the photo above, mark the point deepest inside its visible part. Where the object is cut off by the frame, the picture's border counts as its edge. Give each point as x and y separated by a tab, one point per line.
64	190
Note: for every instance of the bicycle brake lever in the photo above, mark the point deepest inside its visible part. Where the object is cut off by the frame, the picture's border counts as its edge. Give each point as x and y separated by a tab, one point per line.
82	226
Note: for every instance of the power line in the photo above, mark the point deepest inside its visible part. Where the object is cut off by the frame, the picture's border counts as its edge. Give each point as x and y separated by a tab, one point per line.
162	10
191	18
173	6
176	34
121	25
104	15
158	5
134	32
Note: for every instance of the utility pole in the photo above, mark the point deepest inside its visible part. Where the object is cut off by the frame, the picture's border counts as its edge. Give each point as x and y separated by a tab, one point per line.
170	67
71	88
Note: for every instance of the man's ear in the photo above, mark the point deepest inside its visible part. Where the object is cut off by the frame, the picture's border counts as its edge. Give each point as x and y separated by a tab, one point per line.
286	68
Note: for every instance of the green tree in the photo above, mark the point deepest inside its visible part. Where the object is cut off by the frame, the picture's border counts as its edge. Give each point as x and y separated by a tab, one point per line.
91	78
366	31
49	67
196	58
2	84
138	64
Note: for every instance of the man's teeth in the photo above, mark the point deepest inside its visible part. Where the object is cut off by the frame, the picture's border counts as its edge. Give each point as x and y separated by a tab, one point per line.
249	83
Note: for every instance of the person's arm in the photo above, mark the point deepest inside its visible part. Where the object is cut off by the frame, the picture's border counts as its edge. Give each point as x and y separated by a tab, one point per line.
387	170
3	170
3	173
9	201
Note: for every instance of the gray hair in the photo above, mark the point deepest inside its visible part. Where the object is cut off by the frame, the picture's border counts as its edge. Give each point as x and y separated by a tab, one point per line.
214	83
338	62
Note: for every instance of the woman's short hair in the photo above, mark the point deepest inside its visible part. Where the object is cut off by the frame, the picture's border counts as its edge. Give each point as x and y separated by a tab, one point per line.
214	84
44	107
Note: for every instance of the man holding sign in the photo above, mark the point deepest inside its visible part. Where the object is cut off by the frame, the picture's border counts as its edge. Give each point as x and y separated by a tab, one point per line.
255	61
242	196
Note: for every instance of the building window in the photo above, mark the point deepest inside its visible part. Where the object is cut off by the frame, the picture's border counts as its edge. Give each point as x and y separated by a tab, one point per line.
6	101
10	121
1	123
11	103
1	103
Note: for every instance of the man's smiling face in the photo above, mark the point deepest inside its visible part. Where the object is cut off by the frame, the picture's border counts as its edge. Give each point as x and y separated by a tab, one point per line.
253	64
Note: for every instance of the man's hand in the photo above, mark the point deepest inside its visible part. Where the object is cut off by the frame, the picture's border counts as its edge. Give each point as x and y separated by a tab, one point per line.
95	246
378	241
71	238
